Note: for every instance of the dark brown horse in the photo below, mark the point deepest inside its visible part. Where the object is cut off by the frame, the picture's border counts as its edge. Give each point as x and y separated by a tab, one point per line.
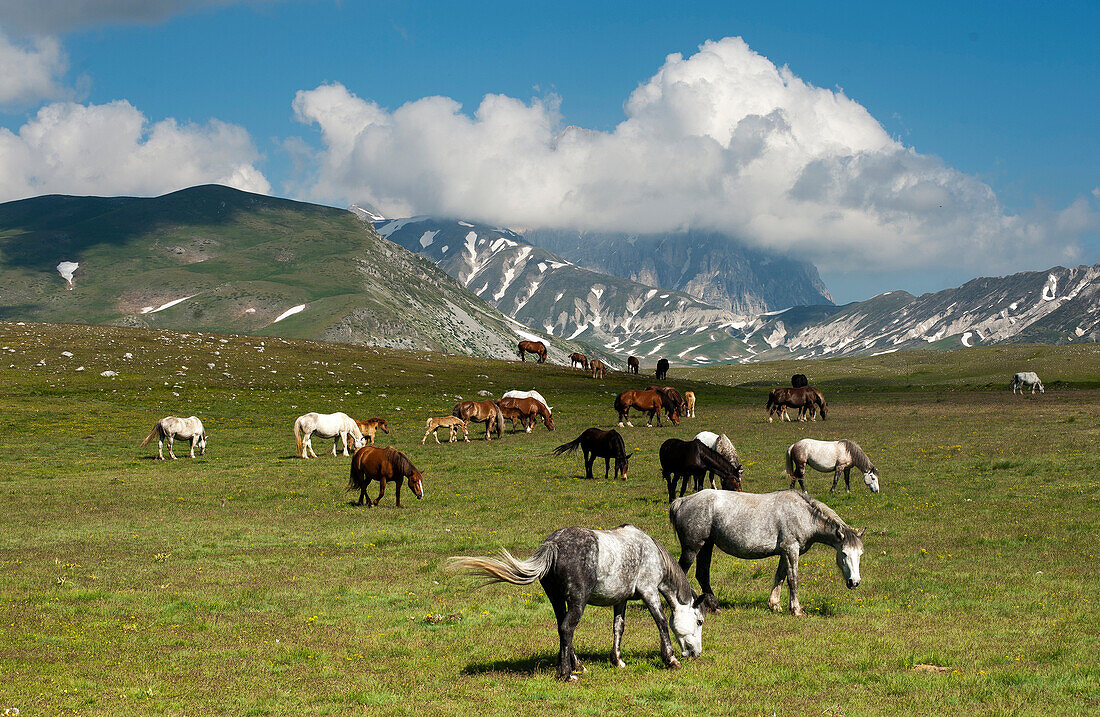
595	443
649	402
599	369
527	411
662	369
372	425
487	412
537	348
383	465
681	460
632	365
805	399
578	359
672	397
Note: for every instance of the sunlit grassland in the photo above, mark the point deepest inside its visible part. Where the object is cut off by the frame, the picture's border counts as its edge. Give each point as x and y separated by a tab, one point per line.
245	583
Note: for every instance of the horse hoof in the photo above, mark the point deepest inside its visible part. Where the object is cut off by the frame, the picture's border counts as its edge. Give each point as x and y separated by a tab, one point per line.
673	663
619	663
620	424
799	612
572	678
775	607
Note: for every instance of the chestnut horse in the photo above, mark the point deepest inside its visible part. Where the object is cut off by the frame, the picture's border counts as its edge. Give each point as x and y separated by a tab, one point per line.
537	348
383	464
578	359
528	411
689	403
632	365
487	412
370	426
672	397
599	369
805	399
649	402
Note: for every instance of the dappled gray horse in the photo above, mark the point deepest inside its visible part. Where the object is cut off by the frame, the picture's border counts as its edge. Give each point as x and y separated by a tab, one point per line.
1027	379
578	567
757	525
836	456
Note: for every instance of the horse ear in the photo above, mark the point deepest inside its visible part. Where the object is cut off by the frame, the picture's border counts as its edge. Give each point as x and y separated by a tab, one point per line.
860	532
840	533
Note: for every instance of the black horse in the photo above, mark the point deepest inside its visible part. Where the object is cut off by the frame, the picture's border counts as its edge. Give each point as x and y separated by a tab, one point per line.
595	443
662	369
681	459
632	365
799	380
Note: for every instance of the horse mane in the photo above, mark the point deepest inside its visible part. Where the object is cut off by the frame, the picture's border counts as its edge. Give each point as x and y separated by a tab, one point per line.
822	512
859	458
674	575
401	463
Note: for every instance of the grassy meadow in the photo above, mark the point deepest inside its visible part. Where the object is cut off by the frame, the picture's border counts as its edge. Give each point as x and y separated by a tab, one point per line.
245	583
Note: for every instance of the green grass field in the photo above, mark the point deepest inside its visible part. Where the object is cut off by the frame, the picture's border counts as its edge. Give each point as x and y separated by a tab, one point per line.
245	583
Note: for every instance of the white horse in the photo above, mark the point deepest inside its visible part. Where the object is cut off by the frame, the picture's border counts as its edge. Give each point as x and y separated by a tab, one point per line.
169	428
337	426
837	456
1025	379
721	444
529	394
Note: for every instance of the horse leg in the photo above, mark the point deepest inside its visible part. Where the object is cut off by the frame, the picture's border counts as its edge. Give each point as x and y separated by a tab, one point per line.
617	629
702	568
684	483
335	442
589	459
309	445
194	440
671	481
160	449
836	478
171	440
398	483
567	657
847	485
652	600
792	580
381	491
780	575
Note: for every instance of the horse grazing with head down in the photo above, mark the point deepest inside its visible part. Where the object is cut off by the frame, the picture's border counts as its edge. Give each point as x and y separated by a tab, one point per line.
170	428
599	369
672	397
537	348
337	426
632	365
836	456
487	412
578	567
372	425
806	399
681	460
662	369
1025	380
752	526
595	443
528	411
383	465
649	402
578	360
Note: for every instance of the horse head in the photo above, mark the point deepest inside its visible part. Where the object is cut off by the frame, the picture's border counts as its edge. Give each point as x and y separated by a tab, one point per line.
687	623
548	421
732	481
871	479
416	484
849	548
622	465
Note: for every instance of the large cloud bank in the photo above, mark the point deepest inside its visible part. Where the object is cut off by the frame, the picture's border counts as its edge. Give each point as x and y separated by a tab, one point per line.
722	140
113	149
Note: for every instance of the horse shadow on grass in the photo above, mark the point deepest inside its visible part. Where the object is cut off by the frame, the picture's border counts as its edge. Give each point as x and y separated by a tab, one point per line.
548	663
753	604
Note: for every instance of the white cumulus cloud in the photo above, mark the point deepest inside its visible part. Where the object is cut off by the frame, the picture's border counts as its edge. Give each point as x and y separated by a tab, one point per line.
30	70
723	139
110	149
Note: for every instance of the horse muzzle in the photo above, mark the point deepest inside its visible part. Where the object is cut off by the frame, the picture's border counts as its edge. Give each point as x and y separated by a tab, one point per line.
853	584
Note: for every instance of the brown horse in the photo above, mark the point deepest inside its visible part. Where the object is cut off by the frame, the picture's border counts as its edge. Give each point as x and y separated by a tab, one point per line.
649	402
632	365
537	348
527	411
487	412
578	359
805	399
370	426
599	369
383	464
672	397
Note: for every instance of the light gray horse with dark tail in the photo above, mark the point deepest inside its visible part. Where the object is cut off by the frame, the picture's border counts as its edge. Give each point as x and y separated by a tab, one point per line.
756	525
578	567
836	456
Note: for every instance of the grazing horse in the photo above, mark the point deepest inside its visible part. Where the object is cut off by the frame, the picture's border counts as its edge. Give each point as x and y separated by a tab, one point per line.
632	365
487	412
578	567
595	443
528	410
529	394
673	397
689	403
170	428
578	359
372	425
837	456
446	422
752	526
599	369
383	464
650	402
537	348
681	460
662	369
1027	379
721	443
805	399
799	380
337	426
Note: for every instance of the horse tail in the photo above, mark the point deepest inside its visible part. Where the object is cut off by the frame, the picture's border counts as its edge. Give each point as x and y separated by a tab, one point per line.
509	569
568	447
790	462
298	433
152	434
500	420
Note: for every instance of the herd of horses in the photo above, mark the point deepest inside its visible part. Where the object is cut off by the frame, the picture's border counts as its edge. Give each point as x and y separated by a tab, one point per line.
579	566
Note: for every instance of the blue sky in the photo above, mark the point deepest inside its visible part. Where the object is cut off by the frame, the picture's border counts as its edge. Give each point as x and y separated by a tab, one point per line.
1004	95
